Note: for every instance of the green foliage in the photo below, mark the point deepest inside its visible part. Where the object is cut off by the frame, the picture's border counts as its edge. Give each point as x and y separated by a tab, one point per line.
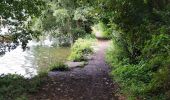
80	49
140	49
16	15
62	16
101	31
90	37
58	67
23	97
82	13
158	45
150	77
15	87
78	33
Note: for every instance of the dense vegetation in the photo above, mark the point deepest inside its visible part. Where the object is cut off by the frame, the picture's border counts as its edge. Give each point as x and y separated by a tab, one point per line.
101	31
139	29
81	49
16	15
15	87
140	51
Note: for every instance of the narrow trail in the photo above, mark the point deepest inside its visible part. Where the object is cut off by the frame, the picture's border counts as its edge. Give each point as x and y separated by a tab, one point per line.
89	83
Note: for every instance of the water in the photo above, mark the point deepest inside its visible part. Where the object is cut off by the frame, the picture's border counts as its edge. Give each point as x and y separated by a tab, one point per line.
30	62
46	56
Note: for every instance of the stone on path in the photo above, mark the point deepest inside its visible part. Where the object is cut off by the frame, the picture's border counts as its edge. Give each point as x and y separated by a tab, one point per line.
75	64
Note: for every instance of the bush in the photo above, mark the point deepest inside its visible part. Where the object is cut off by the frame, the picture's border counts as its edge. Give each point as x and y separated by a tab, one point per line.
149	78
78	33
80	48
58	67
101	31
16	87
140	53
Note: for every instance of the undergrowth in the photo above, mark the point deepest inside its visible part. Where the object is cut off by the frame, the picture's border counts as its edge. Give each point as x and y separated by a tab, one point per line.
149	78
16	87
80	49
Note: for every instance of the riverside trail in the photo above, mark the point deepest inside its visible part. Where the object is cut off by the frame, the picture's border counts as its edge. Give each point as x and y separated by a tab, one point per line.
91	82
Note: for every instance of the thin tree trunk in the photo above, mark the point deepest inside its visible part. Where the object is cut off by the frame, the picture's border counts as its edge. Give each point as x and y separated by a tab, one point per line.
69	31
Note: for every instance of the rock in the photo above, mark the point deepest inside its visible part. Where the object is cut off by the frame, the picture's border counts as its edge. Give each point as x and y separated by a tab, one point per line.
58	89
88	57
106	83
75	64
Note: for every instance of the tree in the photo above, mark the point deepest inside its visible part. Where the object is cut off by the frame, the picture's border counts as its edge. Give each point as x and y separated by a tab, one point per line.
60	17
16	15
140	54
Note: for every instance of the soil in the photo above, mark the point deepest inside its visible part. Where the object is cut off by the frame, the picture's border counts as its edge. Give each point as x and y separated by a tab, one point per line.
91	82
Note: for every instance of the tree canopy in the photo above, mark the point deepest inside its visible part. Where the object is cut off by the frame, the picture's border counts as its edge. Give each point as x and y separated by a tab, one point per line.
16	16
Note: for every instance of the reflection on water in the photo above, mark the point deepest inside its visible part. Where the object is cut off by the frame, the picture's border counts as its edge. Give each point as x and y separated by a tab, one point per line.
46	56
29	62
18	62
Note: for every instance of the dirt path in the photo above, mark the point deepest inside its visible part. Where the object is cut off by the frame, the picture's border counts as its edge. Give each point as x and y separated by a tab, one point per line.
89	83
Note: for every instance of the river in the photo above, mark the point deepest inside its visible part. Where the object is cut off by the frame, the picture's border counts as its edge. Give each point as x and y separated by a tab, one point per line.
28	63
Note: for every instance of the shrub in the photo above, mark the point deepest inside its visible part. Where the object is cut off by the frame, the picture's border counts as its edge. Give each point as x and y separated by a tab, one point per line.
78	33
58	67
149	78
80	48
101	31
90	37
140	53
16	87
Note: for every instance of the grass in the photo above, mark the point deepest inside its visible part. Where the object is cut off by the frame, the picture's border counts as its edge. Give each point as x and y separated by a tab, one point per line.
58	67
16	87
